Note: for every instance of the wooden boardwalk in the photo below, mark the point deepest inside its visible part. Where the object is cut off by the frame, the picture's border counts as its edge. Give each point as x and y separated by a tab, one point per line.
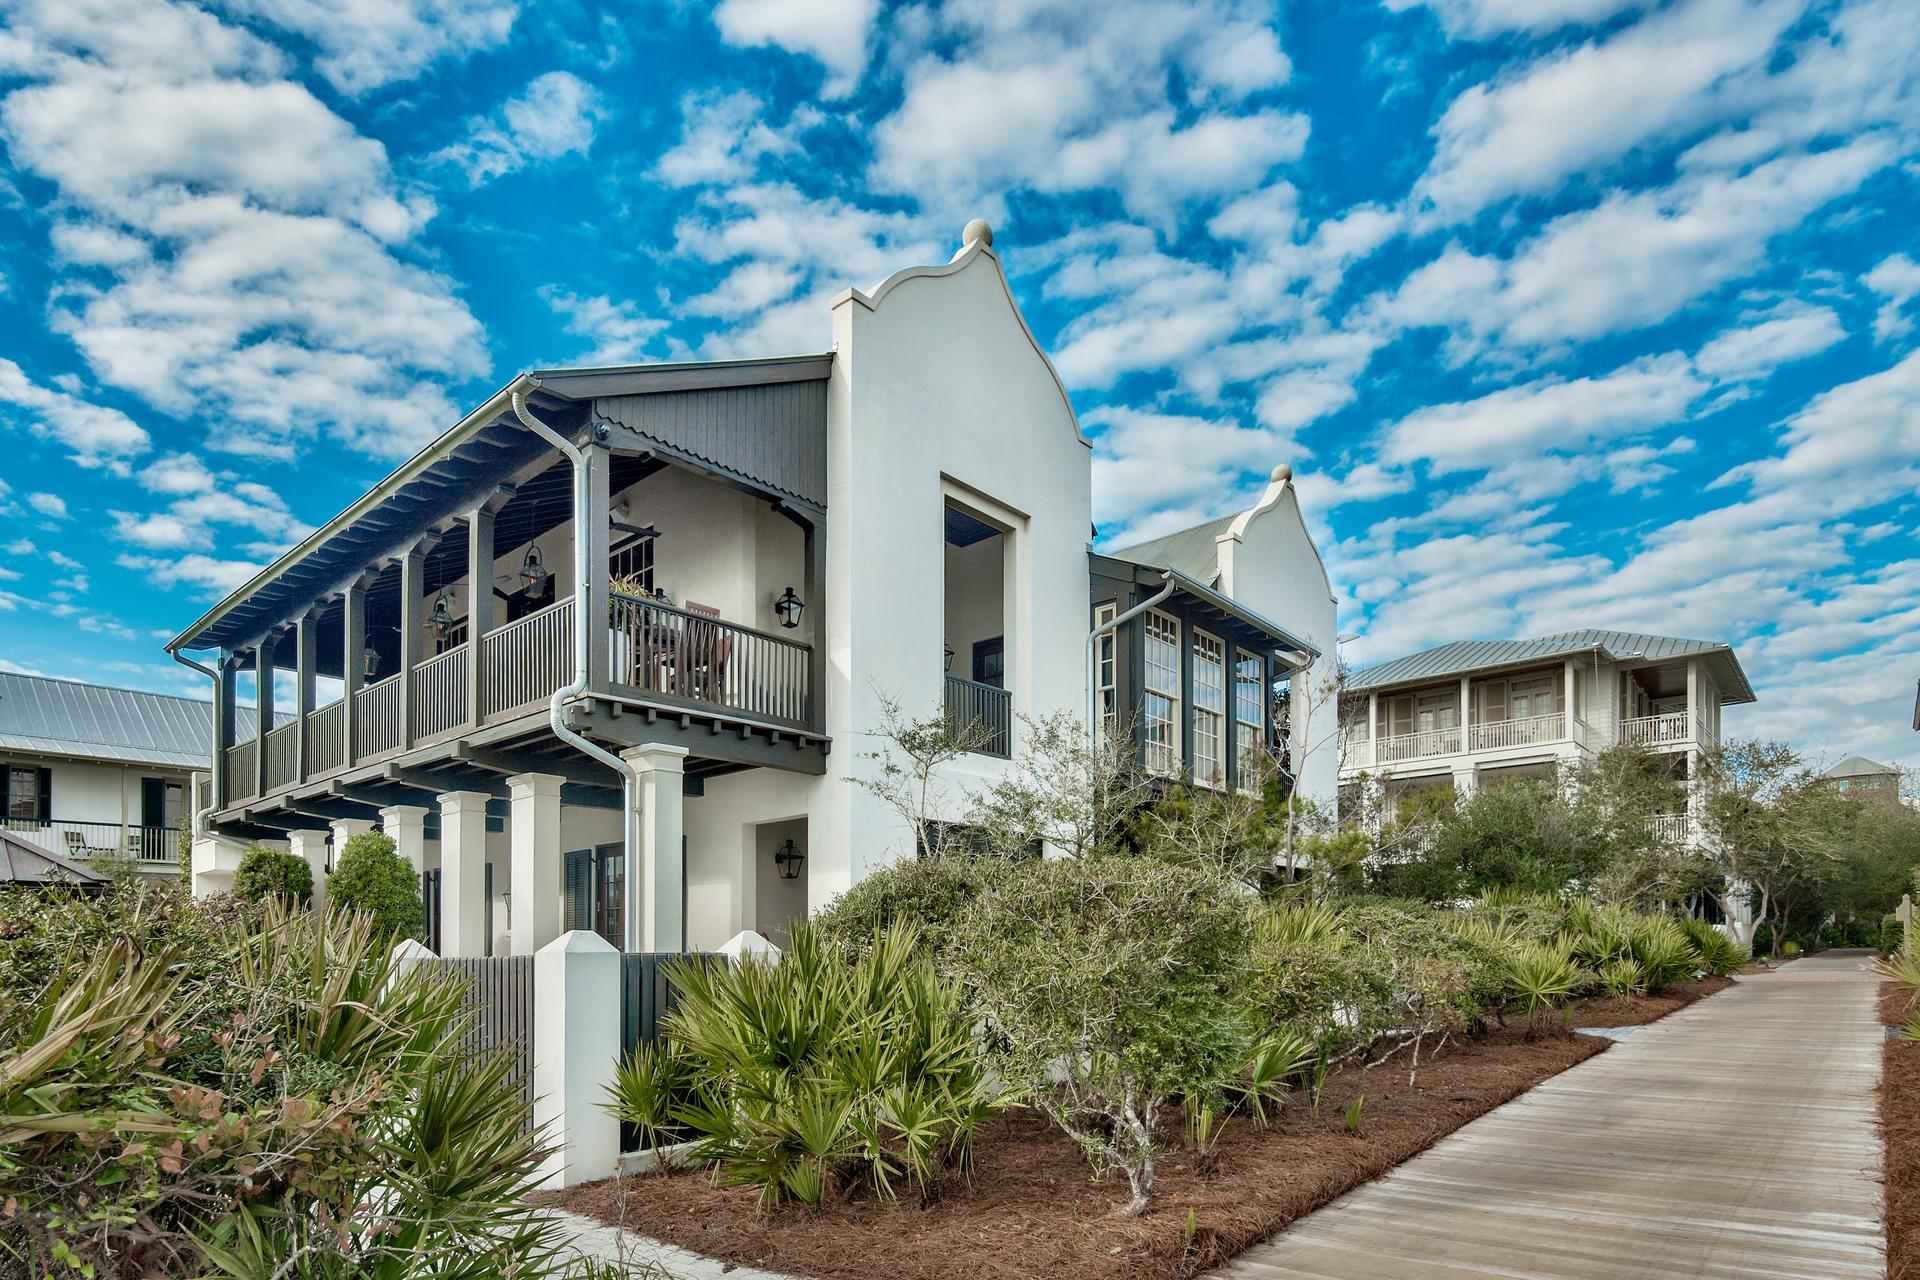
1735	1138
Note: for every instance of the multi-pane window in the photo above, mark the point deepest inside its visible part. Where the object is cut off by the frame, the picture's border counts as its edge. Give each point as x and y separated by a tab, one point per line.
1160	699
1249	712
1106	692
25	792
1209	710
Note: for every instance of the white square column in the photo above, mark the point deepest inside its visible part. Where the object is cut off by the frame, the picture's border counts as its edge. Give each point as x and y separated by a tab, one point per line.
534	834
311	848
576	1047
463	873
655	896
345	829
406	824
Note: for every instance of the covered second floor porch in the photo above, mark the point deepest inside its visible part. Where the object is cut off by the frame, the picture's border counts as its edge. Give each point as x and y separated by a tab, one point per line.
448	612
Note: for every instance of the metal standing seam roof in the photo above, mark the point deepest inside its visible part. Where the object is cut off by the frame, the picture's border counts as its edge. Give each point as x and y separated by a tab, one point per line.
1859	767
24	862
44	716
1463	656
1192	552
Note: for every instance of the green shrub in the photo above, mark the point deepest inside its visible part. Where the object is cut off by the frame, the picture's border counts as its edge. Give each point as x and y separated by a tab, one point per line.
1108	987
369	876
264	873
220	1089
1541	977
1318	981
647	1085
929	893
814	1072
1663	951
1720	954
1623	977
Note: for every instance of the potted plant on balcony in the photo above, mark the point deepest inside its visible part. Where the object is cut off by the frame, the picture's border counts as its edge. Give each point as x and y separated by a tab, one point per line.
623	623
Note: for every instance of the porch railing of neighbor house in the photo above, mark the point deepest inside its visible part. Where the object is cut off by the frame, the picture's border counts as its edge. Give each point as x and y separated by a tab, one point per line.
1411	746
377	719
658	648
1654	731
523	662
156	845
282	745
242	783
326	743
1672	826
440	693
982	710
1491	735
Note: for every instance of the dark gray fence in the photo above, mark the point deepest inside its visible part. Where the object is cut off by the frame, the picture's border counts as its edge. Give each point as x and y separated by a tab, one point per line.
646	994
500	1010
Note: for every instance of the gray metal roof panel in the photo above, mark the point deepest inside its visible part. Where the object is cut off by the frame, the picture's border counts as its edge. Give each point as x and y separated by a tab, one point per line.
1190	551
44	716
1859	767
1463	656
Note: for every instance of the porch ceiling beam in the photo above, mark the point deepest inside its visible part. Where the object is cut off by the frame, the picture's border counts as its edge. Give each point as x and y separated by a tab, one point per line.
779	750
378	795
570	767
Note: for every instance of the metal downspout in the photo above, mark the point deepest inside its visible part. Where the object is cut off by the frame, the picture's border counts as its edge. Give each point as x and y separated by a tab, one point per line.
201	816
583	632
1093	638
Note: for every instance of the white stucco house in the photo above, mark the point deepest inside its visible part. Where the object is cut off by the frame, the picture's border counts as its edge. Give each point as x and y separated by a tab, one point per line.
1475	711
614	651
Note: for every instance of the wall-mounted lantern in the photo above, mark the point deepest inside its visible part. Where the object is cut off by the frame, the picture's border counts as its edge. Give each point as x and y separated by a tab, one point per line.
788	859
533	571
949	659
441	619
787	608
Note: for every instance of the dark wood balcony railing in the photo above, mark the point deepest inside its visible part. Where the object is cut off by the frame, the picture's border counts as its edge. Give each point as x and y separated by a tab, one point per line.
660	649
377	718
326	739
983	714
525	661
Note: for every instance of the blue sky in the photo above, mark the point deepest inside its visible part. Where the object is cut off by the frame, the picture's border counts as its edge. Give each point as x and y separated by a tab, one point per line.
1565	312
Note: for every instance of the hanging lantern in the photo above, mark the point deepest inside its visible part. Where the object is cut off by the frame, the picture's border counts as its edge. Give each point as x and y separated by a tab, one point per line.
441	619
369	663
787	608
533	571
788	859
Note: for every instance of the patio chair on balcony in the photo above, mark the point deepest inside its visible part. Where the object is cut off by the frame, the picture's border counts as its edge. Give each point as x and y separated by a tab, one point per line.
708	651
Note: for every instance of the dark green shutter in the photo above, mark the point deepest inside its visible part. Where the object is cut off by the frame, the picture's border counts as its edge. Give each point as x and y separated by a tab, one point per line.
576	890
46	796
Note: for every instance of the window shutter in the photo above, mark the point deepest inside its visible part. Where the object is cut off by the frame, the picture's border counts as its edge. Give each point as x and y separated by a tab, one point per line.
45	798
576	890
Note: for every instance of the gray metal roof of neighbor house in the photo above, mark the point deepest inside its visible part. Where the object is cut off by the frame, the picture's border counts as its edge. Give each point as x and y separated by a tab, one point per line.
1191	551
1859	767
43	716
1464	656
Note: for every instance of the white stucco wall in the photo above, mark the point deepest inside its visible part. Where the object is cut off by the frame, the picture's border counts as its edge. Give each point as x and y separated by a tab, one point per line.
89	792
1268	562
938	388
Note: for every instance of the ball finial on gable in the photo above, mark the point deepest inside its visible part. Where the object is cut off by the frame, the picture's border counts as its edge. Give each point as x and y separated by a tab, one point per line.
977	230
1282	473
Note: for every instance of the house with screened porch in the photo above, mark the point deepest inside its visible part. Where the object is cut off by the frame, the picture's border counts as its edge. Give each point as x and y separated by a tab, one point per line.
1468	714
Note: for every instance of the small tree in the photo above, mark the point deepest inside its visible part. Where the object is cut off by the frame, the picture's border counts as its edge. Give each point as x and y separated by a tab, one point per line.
1110	986
369	876
1067	793
267	873
910	764
1772	832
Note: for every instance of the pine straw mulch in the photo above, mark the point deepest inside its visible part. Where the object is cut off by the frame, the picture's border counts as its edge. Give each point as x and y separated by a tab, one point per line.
1636	1011
1900	1129
1029	1210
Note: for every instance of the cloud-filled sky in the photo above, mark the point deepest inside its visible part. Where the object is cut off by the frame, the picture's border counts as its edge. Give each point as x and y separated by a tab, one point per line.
1565	312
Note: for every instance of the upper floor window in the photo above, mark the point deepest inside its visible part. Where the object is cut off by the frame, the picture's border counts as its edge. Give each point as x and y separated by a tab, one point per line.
1106	690
1209	710
1160	700
1249	710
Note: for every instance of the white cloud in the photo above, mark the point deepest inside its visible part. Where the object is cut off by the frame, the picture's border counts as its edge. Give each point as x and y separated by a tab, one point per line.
228	245
1570	112
723	137
1519	423
618	331
367	44
50	505
1756	349
834	32
1897	279
1852	445
202	503
212	576
1482	18
98	436
555	115
1156	472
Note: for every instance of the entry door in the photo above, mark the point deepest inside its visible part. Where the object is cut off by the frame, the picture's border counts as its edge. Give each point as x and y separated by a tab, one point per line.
990	661
594	891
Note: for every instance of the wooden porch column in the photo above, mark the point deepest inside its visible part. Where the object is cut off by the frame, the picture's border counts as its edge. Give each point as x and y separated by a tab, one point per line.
262	707
413	564
353	627
1466	713
303	695
481	611
1373	729
222	727
595	525
1573	702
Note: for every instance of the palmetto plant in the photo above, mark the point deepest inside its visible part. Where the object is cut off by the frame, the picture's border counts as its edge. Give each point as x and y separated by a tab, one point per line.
1280	1059
1623	977
1719	954
647	1084
1541	977
1297	924
815	1071
1663	951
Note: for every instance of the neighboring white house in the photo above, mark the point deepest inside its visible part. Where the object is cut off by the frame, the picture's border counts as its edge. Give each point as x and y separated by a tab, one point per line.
1475	711
1265	559
91	772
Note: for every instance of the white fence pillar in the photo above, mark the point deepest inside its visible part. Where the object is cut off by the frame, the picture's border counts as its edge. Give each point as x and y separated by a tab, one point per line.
463	873
576	1046
311	848
534	833
659	782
